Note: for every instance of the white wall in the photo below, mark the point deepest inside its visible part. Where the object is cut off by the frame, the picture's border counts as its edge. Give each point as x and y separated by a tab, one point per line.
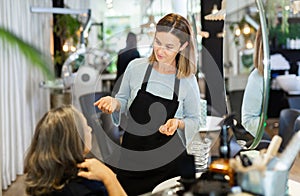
233	6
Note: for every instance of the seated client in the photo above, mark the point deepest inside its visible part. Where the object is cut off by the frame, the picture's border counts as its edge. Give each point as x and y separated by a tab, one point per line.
55	163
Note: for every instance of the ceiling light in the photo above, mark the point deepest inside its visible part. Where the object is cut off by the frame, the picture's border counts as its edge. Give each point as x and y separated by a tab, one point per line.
150	24
204	34
215	9
237	31
217	14
220	34
249	44
220	15
246	29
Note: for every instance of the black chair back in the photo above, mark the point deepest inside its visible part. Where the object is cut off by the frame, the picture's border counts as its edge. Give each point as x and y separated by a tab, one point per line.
103	128
288	123
297	124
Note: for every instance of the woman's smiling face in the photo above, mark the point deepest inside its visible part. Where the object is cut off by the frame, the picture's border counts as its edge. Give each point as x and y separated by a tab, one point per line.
166	46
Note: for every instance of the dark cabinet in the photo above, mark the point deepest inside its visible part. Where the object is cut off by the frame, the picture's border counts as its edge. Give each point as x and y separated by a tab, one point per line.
278	99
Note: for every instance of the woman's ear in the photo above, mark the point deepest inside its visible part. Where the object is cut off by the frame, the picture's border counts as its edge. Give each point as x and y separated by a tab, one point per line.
183	46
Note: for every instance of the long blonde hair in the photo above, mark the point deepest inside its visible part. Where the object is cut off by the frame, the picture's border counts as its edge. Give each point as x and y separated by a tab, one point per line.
55	150
181	28
258	52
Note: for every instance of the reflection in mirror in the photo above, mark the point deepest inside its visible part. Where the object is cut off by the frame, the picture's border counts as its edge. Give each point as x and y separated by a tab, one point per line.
266	62
253	95
243	22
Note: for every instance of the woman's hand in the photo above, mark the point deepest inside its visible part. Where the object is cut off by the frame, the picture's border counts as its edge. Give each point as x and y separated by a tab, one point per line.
171	126
108	104
96	170
93	169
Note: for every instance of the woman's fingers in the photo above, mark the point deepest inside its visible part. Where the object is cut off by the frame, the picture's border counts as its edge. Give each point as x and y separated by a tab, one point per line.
84	172
90	169
81	165
97	102
170	127
106	108
165	130
105	104
172	124
162	129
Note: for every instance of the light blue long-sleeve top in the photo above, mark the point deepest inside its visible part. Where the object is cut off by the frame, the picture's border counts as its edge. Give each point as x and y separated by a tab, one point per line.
252	102
162	85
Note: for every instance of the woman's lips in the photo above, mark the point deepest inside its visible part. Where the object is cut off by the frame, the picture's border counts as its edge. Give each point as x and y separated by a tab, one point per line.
159	56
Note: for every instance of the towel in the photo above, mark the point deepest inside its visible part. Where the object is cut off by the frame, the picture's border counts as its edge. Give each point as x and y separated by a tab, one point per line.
278	62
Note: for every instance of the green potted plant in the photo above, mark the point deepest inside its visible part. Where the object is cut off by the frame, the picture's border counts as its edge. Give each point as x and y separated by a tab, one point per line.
278	37
66	29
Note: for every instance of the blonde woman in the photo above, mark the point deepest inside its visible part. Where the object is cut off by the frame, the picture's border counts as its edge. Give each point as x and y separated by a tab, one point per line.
161	97
253	95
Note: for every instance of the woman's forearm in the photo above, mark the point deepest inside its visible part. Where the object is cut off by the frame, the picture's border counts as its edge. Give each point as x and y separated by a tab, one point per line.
113	186
118	104
181	124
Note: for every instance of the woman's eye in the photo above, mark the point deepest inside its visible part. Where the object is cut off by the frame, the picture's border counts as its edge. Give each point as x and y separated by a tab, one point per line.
169	47
157	42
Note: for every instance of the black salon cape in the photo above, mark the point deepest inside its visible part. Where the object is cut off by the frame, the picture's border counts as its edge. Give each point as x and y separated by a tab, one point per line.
82	187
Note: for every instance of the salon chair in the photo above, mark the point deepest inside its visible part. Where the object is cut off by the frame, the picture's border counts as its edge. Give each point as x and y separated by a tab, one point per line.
235	101
240	133
103	128
297	124
289	123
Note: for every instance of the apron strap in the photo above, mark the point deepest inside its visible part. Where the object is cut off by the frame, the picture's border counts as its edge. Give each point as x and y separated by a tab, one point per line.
146	78
176	88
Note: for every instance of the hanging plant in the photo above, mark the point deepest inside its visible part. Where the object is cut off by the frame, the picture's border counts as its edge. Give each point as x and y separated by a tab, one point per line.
281	37
66	28
276	9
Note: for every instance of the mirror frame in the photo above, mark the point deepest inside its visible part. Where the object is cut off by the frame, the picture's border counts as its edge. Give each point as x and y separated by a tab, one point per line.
266	62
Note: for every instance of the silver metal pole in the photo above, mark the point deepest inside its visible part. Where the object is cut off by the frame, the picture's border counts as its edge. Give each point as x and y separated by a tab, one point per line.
58	10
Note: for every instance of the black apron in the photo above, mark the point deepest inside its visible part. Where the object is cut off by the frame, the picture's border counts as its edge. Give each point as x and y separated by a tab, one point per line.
158	156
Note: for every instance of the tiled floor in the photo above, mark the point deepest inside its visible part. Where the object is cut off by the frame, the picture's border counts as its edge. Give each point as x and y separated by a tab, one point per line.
16	189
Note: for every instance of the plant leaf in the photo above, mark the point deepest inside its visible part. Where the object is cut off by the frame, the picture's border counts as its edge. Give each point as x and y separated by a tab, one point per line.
35	56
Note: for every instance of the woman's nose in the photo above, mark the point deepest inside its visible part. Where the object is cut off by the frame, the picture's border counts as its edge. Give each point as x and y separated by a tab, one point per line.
162	48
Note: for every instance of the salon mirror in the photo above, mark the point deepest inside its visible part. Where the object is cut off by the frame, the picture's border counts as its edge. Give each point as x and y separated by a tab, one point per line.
237	57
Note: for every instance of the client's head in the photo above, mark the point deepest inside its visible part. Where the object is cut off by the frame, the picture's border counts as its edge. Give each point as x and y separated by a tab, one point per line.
61	139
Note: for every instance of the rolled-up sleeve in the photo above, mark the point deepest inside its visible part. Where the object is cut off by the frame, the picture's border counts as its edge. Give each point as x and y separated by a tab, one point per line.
190	112
131	82
252	103
122	96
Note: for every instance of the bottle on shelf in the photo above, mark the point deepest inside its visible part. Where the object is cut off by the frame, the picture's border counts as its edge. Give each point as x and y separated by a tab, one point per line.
221	165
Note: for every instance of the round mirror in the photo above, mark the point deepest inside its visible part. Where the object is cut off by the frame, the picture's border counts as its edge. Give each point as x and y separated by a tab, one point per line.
243	19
